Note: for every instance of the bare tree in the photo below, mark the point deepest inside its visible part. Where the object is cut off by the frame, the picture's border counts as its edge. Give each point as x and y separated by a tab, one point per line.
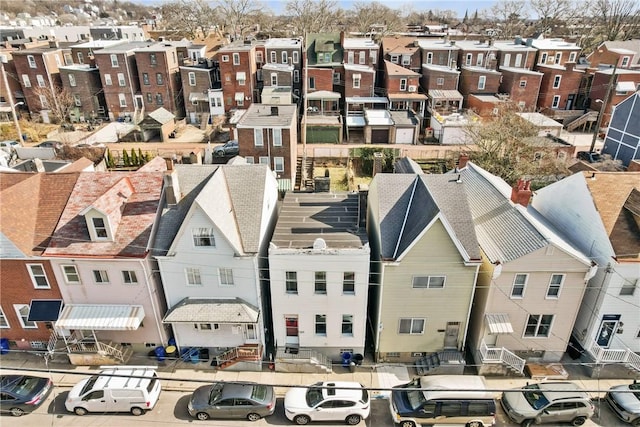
365	16
551	12
188	17
238	14
313	16
615	19
58	100
509	16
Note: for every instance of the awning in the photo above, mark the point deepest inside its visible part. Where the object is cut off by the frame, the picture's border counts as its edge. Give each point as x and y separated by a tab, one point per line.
44	310
239	96
212	310
499	324
195	96
101	317
284	184
625	87
241	75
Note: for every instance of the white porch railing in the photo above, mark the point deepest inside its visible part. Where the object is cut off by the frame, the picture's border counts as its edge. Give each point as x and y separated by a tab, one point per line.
607	355
501	355
313	357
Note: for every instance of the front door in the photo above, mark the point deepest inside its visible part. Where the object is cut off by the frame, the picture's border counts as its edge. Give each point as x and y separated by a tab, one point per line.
291	324
451	335
250	332
607	329
139	102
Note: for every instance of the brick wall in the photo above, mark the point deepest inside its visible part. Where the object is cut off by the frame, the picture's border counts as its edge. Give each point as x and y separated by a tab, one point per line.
163	78
367	83
528	93
23	68
231	85
128	67
429	80
322	77
470	78
287	151
88	88
569	85
203	82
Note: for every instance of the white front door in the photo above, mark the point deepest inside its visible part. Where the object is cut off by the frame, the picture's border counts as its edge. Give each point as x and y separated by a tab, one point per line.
291	326
451	335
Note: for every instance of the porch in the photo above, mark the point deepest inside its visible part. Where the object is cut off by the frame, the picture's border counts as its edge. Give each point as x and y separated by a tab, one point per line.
614	358
499	361
301	360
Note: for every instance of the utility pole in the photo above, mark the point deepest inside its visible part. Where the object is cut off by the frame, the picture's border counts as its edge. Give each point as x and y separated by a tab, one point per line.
603	107
13	106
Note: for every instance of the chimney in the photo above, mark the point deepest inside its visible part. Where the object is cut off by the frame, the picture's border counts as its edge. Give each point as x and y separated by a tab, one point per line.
452	42
54	44
521	192
274	110
463	158
529	42
454	64
171	185
518	40
363	194
569	66
416	43
378	159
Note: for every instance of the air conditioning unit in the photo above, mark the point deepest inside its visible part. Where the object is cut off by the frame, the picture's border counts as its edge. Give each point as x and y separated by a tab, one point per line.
412	88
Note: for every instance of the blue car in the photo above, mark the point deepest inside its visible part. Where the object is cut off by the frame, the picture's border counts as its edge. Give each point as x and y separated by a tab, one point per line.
20	394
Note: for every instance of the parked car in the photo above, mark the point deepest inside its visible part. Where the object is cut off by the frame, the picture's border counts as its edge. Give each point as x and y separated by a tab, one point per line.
589	156
20	394
134	389
624	400
56	145
328	401
246	400
230	148
548	403
9	146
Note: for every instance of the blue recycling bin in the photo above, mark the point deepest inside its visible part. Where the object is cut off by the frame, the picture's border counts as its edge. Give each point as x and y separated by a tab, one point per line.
194	355
161	353
4	345
346	359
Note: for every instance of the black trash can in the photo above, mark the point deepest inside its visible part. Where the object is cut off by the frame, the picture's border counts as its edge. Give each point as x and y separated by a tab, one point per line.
357	359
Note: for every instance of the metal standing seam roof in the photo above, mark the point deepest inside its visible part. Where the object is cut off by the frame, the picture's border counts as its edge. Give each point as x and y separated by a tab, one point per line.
101	317
211	310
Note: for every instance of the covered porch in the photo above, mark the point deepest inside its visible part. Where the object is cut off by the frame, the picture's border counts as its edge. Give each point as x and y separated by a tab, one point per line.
496	360
444	102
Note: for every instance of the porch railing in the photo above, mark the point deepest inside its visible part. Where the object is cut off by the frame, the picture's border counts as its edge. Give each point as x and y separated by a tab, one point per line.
607	355
314	357
96	347
501	355
240	353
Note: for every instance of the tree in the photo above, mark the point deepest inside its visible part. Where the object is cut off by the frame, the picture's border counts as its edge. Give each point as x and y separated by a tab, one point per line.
59	101
551	12
509	16
365	16
238	14
615	19
190	17
508	147
313	16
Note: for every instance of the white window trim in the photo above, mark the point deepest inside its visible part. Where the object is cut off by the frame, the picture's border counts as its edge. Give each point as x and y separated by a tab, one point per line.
559	82
192	78
524	285
284	56
560	286
32	61
295	57
352	323
225	58
403	84
26	81
258	138
224	271
114	60
17	308
440	81
33	276
66	278
468	59
188	271
40	80
482	82
132	275
536	336
263	160
523	84
429	277
198	233
107	80
122	99
278	161
4	316
293	280
103	277
556	101
277	137
413	319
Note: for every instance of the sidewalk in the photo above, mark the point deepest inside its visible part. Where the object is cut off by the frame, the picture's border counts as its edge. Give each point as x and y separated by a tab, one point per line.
185	376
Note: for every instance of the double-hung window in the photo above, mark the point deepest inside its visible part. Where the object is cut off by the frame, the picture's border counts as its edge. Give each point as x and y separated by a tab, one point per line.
22	310
4	323
347	324
277	137
25	80
159	79
538	325
193	276
107	80
482	81
321	324
403	84
553	291
257	137
412	326
121	81
101	277
519	284
192	79
72	80
129	277
32	61
100	228
153	60
556	82
123	99
291	282
203	237
38	276
226	276
320	282
349	282
278	164
114	60
236	58
628	287
40	80
145	79
71	275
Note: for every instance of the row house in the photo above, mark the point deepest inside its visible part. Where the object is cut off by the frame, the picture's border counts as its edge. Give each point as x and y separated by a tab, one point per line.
319	279
83	53
621	53
424	259
481	53
238	74
268	134
402	51
476	80
612	86
211	249
30	298
285	51
84	85
560	86
159	79
588	207
279	80
323	60
203	98
522	85
514	54
362	52
13	92
38	70
119	76
100	257
554	51
401	86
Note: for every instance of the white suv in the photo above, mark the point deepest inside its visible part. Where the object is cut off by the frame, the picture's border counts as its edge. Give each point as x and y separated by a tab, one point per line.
328	401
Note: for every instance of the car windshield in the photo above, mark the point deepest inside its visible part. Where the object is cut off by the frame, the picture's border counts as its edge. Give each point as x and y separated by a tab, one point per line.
535	397
24	385
89	385
636	388
259	392
216	391
314	396
415	397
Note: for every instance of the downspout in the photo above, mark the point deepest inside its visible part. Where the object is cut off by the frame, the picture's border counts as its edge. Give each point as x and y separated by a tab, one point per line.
151	295
378	329
473	294
46	69
133	98
260	324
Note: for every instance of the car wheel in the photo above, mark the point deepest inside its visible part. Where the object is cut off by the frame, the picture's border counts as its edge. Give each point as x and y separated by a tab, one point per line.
578	421
137	411
302	420
218	153
253	417
475	424
353	420
636	423
17	412
202	416
80	411
527	423
407	424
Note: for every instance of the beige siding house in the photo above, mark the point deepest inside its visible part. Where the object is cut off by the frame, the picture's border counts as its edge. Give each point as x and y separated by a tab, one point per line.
531	282
425	258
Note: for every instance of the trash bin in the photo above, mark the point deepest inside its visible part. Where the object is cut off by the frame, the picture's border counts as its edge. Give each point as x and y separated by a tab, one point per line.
161	354
358	358
171	342
4	345
352	367
172	351
194	355
346	359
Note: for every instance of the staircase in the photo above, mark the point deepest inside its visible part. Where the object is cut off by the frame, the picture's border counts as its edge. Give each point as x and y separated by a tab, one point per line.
304	174
302	361
441	362
244	353
204	121
589	117
138	115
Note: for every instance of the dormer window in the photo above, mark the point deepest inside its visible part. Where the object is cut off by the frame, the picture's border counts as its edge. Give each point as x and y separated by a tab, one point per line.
99	228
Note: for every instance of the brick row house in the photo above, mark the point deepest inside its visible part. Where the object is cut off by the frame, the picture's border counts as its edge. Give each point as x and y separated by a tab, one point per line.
83	82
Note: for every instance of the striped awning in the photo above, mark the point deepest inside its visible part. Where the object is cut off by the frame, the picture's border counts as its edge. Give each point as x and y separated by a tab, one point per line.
101	317
499	324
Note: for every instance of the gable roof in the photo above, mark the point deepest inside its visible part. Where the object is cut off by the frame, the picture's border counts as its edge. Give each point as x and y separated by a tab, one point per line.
396	70
408	203
130	199
31	207
399	45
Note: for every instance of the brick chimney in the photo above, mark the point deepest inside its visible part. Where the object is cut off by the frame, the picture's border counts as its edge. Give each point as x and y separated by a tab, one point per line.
569	66
462	161
521	192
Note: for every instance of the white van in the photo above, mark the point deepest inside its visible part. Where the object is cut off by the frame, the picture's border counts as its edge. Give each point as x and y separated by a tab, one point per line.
134	389
443	399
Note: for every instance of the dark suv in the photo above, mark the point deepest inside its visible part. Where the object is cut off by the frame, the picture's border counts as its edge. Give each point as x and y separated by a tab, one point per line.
230	148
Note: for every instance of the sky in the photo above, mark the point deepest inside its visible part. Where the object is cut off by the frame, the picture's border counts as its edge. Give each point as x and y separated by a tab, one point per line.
459	6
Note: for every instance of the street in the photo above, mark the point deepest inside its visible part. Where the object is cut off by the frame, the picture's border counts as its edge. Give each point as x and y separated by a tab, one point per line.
171	409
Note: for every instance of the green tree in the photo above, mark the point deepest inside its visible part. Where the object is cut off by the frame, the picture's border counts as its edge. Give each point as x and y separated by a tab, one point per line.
110	162
141	159
134	157
125	158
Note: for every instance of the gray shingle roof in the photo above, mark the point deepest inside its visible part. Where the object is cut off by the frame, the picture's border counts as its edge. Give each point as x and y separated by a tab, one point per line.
211	310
